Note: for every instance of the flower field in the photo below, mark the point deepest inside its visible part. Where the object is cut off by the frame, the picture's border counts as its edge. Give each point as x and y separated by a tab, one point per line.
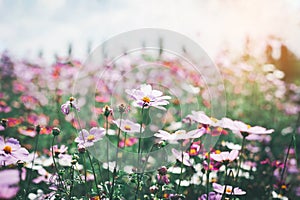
148	129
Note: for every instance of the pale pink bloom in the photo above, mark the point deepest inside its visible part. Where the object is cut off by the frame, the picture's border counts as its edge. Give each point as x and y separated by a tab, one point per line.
11	151
225	156
147	97
229	189
179	135
202	118
88	138
128	126
44	176
182	157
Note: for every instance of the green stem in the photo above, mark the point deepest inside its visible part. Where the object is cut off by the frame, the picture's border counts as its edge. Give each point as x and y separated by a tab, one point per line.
32	163
207	175
240	158
72	181
139	156
94	173
107	147
116	165
55	165
180	177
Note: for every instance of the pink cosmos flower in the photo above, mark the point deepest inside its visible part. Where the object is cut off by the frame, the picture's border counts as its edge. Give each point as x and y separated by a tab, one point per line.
44	176
11	151
57	151
9	178
147	97
88	138
247	129
225	156
128	126
229	189
202	118
179	135
65	108
186	158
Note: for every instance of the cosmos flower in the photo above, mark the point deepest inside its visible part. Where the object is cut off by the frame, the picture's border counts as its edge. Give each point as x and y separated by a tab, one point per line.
185	158
128	143
246	130
202	118
229	189
225	156
179	135
128	126
147	97
11	151
65	108
9	178
88	138
44	176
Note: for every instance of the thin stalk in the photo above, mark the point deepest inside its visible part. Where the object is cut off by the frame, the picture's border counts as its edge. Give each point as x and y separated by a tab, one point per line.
286	158
240	157
224	192
180	177
107	148
32	163
116	165
94	173
207	175
55	165
139	156
72	181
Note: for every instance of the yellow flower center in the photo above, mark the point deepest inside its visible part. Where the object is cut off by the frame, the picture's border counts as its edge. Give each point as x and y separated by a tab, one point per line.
193	151
90	138
7	149
228	190
127	127
248	126
71	99
180	132
283	187
217	152
146	99
214	119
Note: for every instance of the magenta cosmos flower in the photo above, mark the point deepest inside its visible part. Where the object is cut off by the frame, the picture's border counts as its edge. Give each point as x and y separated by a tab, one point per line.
128	126
225	156
11	151
147	97
179	135
88	138
9	179
65	108
229	189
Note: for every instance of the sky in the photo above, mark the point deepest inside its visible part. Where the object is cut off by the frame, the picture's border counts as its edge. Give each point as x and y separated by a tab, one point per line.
27	27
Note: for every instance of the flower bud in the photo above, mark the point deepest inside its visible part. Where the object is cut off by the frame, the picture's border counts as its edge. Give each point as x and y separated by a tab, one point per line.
55	131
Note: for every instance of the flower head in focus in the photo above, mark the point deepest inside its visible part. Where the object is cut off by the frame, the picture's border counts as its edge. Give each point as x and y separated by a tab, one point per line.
179	135
128	126
225	156
11	151
87	138
147	97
